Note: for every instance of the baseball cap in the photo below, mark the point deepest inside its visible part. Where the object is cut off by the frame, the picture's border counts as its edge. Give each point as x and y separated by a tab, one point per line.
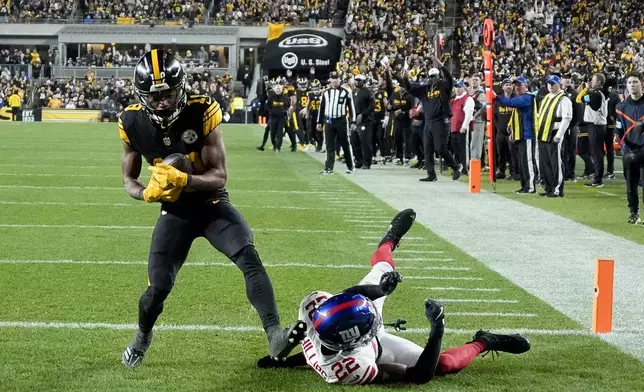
333	75
520	79
360	78
506	81
553	79
460	83
433	72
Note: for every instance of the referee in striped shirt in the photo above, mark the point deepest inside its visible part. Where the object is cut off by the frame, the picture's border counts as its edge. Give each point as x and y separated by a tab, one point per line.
336	102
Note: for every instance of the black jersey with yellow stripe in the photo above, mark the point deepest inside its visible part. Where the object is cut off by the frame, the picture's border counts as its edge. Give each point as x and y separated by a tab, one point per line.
302	99
186	135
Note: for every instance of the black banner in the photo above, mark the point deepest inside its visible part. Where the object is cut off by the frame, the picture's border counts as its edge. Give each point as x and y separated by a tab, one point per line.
300	50
30	115
24	115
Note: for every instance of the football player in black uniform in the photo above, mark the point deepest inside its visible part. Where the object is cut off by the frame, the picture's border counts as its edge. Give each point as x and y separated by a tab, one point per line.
297	117
381	120
289	91
313	107
168	121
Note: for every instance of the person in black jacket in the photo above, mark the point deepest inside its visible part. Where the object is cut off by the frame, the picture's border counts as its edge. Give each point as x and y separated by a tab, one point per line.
278	107
435	97
361	133
570	137
613	99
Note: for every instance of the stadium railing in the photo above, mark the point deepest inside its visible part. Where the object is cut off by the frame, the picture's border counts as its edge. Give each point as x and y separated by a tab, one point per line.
60	72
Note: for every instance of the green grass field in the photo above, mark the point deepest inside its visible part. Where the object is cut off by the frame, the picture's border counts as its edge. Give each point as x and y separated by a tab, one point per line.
73	249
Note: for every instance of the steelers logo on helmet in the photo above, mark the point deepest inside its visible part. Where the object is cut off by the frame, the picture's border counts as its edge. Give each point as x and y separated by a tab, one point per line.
160	85
189	136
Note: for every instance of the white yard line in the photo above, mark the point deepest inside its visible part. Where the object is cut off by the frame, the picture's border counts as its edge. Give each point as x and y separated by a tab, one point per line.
490	314
420	252
476	300
254	329
375	237
364	266
423	259
471	278
607	193
477	289
114	227
366	221
120	188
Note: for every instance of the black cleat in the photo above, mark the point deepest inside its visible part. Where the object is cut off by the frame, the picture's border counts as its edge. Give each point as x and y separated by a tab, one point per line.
634	219
260	148
135	351
513	344
283	341
429	179
399	226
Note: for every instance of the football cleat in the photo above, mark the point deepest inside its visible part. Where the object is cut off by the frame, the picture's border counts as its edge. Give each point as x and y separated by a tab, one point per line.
634	219
399	226
513	344
135	351
283	340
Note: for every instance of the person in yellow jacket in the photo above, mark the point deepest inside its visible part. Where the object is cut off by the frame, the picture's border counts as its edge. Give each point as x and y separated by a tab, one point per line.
14	102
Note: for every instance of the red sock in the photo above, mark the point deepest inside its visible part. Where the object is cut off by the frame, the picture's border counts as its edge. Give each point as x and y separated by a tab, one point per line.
384	253
458	358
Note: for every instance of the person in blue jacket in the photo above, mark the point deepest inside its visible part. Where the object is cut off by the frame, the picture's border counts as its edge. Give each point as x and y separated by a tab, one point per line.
630	127
522	127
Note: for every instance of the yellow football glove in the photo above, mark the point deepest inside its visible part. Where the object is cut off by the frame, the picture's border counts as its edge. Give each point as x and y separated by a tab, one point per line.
171	195
167	176
153	191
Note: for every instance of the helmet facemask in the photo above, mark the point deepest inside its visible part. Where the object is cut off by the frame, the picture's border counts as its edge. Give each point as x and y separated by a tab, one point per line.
176	96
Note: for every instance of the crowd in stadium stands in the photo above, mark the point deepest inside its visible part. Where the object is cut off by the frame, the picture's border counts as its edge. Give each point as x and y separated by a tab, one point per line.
35	10
141	11
286	11
115	94
107	56
536	38
395	29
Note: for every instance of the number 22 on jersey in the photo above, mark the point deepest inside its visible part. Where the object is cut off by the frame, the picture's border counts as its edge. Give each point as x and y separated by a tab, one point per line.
342	369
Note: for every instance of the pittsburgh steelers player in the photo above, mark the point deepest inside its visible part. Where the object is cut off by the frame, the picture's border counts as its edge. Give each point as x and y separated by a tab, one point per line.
168	121
312	109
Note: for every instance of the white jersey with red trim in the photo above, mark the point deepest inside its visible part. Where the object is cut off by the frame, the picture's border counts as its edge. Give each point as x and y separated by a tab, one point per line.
356	366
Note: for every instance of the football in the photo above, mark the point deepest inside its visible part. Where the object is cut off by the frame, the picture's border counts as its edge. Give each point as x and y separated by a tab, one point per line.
179	161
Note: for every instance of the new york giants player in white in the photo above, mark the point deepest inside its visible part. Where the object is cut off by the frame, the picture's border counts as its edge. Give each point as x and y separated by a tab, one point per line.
345	342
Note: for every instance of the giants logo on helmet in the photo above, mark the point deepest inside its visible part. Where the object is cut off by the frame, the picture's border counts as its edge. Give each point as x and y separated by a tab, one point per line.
350	334
289	60
303	41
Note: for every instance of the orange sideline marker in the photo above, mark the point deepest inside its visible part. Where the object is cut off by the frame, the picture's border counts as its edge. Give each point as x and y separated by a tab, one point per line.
603	300
475	176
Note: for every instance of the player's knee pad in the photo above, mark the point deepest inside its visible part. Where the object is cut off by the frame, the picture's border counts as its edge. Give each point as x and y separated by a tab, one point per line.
154	296
247	259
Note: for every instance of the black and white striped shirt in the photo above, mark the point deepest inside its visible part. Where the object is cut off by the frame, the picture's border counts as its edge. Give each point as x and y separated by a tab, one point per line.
334	105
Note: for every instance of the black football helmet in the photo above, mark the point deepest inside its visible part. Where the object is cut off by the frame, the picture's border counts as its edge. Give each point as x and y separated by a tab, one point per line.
315	84
160	84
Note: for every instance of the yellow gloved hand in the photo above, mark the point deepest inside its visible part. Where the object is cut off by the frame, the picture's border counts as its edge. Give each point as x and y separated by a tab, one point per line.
167	176
171	195
153	191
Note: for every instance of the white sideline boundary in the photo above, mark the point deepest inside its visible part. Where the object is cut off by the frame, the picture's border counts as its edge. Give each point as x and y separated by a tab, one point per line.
256	329
364	266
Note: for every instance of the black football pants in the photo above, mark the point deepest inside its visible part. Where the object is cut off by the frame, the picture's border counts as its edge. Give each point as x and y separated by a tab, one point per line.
337	131
226	230
633	163
551	163
435	140
276	124
361	141
596	135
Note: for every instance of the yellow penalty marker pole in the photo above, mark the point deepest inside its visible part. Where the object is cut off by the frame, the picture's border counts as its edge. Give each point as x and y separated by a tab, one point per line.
603	299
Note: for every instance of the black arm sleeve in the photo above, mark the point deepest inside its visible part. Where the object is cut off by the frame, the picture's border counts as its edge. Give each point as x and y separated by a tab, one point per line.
423	371
595	100
448	81
371	291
